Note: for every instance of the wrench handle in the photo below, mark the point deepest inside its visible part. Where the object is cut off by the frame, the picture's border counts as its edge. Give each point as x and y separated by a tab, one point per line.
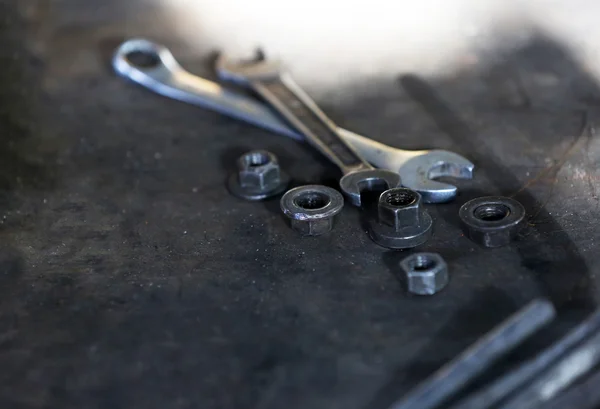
296	107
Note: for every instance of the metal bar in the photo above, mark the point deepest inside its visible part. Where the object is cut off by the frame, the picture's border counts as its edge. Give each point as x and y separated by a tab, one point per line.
560	376
583	396
490	395
453	376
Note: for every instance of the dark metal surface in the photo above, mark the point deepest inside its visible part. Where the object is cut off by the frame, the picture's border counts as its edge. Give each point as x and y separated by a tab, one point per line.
124	283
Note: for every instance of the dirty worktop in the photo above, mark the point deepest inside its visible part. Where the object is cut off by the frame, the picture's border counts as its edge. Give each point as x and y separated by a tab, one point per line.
131	278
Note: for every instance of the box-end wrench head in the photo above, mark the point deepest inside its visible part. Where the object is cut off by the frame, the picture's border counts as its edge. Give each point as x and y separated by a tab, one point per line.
166	77
277	88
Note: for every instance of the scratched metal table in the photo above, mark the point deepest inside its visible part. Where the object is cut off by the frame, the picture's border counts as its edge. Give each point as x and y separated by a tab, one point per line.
130	278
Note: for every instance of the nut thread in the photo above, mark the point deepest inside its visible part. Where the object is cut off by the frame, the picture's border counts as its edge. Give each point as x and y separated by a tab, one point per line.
423	262
400	198
254	159
400	208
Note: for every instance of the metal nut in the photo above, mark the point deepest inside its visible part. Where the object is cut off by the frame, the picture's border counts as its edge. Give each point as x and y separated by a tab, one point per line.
311	209
400	208
402	220
492	221
258	177
426	273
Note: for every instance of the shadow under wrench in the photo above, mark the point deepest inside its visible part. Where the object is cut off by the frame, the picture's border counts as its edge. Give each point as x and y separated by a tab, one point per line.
567	282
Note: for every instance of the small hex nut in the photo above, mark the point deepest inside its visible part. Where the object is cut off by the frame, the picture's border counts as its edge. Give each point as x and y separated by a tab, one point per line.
311	209
492	221
426	273
258	169
402	220
258	177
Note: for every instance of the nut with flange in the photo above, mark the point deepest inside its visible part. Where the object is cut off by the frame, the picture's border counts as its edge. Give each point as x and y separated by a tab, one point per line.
258	176
402	221
492	221
312	208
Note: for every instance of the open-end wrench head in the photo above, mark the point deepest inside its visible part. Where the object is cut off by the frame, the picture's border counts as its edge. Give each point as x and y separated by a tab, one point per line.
354	183
418	174
244	71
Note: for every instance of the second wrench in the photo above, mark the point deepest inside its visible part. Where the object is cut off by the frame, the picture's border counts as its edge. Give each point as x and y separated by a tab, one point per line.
281	92
419	170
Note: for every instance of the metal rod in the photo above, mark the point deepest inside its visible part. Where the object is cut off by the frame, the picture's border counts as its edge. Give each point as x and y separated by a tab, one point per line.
560	376
583	396
453	376
490	395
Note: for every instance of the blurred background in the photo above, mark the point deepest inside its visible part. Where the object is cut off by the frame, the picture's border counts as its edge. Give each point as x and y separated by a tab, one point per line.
329	42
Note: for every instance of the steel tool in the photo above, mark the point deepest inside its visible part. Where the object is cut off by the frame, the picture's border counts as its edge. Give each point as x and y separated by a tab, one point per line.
585	395
166	77
490	395
452	377
280	91
574	365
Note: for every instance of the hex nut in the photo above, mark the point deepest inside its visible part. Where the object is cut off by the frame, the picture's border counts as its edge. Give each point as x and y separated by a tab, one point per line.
311	209
492	221
426	273
258	176
402	220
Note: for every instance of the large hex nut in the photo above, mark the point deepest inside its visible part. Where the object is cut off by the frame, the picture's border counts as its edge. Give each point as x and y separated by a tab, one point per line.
402	220
426	273
311	209
492	221
258	176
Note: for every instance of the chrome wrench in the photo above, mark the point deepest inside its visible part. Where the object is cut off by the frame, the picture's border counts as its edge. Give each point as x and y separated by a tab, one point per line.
168	78
268	80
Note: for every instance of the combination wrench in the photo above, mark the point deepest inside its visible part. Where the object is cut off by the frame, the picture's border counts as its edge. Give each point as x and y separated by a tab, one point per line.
166	77
269	81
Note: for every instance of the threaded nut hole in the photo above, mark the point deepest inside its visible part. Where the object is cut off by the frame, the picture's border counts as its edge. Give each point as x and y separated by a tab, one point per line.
423	263
312	200
491	212
255	159
401	198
